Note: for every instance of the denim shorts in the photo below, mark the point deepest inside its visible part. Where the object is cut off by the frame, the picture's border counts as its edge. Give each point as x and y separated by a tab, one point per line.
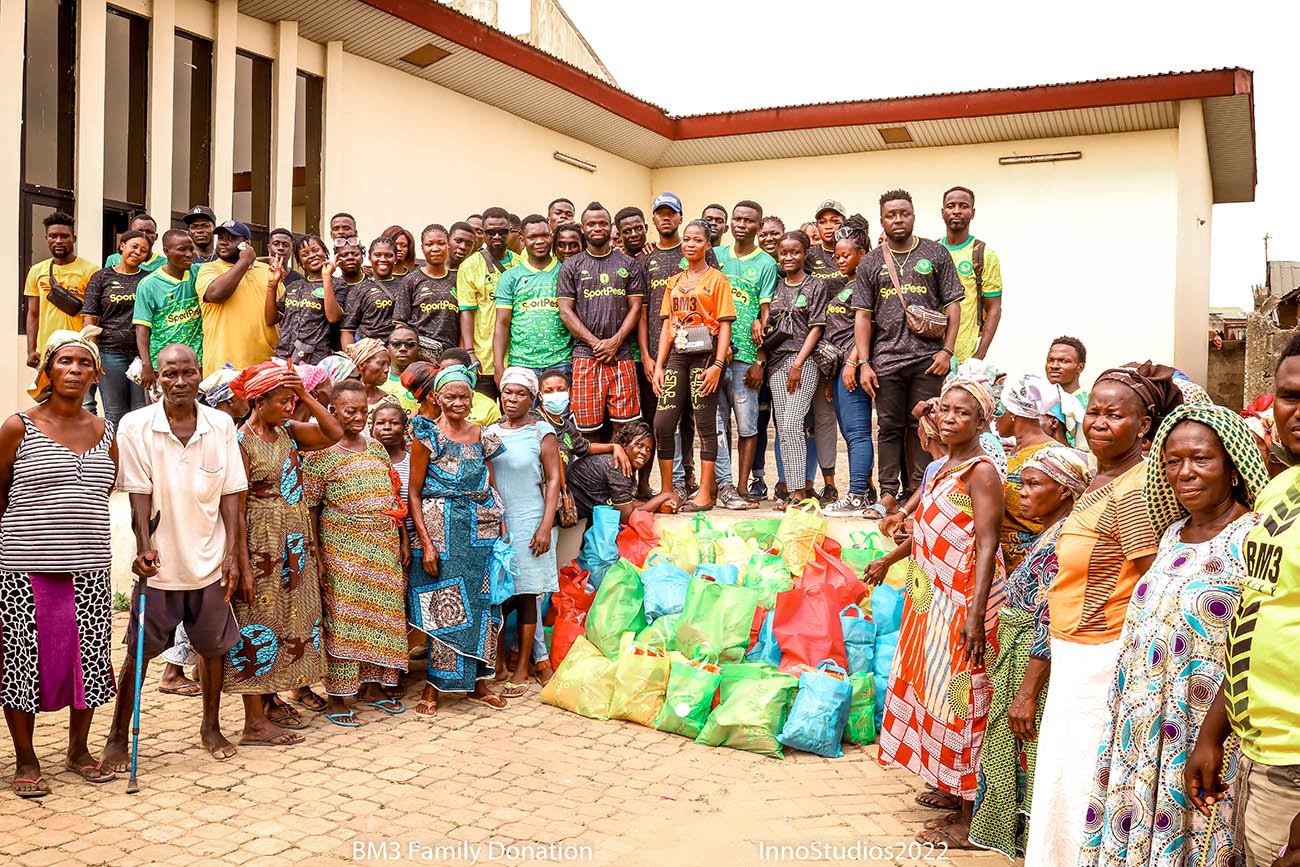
739	398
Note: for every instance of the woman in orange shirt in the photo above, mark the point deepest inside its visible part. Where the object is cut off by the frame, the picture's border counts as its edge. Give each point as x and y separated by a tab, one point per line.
698	300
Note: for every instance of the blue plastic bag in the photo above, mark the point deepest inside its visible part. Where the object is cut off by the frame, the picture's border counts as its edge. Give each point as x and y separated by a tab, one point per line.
765	648
599	545
859	639
728	573
502	570
820	711
665	587
887	609
886	646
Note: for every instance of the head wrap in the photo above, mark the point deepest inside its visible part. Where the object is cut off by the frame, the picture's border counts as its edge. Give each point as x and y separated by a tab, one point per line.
455	373
978	389
215	387
1028	395
364	349
520	376
1192	393
1069	412
253	382
1237	440
1153	383
981	370
338	366
1066	466
312	376
418	379
925	423
85	338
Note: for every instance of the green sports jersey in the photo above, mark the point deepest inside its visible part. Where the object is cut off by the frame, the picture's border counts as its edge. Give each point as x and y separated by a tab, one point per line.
170	308
156	261
753	281
538	337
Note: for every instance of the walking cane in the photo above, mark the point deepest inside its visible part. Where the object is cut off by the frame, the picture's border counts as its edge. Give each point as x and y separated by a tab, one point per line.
131	786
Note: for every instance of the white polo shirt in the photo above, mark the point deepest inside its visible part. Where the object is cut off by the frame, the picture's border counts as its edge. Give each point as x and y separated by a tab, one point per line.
186	482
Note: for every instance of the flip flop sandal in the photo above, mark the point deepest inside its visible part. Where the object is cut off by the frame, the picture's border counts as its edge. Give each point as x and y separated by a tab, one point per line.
388	705
42	788
283	739
946	839
935	800
313	702
875	510
515	690
941	822
189	691
431	706
347	719
495	702
693	506
286	717
99	776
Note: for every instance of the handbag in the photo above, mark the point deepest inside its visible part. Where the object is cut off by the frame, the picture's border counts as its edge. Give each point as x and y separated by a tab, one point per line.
566	511
61	297
828	357
921	321
693	339
779	327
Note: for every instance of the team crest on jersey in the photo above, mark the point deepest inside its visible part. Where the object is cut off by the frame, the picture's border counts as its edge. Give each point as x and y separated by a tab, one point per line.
622	272
965	268
751	272
604	279
801	301
923	266
846	293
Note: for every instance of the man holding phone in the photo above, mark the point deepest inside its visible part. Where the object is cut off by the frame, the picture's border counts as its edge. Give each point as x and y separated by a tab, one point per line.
232	298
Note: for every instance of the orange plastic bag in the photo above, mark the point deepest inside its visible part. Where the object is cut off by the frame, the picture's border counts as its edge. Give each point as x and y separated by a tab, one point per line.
569	611
806	625
829	570
637	538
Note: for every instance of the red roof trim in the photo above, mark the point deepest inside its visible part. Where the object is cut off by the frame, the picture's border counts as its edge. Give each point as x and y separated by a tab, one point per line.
474	34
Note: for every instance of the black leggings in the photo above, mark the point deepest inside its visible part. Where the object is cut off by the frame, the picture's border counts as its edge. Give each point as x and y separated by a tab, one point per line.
678	371
524	606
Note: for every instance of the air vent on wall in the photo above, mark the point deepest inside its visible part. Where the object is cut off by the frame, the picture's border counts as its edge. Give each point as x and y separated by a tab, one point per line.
895	135
426	55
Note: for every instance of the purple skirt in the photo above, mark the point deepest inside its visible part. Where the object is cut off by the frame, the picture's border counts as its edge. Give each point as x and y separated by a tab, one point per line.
55	639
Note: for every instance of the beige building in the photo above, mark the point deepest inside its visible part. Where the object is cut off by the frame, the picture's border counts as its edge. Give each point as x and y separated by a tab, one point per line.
1096	195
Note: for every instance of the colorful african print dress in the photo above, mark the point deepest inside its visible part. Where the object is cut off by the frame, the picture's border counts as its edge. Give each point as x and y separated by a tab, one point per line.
1018	531
462	514
937	703
1006	766
1171	663
280	632
364	613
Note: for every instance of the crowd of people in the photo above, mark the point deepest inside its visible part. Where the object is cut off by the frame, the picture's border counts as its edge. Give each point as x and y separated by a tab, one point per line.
1101	585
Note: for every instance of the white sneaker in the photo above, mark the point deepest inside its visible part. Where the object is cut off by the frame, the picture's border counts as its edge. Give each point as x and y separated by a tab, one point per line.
849	504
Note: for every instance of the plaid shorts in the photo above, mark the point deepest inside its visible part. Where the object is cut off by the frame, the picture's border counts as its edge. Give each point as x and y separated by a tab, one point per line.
597	385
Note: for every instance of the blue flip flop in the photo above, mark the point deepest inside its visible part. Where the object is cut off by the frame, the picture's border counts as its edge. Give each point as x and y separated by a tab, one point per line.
388	705
338	719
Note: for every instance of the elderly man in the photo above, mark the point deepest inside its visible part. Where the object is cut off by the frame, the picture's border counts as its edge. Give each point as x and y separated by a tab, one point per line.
180	463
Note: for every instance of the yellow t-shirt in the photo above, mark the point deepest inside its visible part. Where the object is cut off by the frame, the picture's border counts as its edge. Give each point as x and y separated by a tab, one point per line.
968	333
235	330
476	290
1259	677
73	276
483	410
394	387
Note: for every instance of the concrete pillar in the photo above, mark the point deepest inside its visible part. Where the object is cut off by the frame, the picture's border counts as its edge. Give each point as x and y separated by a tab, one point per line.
284	96
162	65
223	108
13	360
333	159
88	176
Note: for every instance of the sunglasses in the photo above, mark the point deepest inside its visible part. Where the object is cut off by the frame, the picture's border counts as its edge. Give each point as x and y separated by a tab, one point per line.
346	242
496	233
403	344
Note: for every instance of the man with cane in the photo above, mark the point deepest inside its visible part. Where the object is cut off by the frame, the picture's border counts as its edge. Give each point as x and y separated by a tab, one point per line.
180	463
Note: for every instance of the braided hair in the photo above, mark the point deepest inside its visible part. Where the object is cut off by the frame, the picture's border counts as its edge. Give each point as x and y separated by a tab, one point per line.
856	229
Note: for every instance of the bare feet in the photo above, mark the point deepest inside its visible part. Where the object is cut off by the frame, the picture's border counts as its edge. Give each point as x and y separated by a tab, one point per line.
215	742
174	682
117	753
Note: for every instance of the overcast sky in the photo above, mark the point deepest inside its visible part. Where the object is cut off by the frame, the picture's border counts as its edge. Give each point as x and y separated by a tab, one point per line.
694	56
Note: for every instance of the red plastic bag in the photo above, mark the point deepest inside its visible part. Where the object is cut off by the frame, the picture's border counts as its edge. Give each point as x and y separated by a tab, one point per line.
568	611
807	626
842	581
637	538
573	584
832	547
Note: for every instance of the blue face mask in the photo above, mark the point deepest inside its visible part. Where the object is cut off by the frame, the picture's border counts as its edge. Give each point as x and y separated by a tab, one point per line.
556	402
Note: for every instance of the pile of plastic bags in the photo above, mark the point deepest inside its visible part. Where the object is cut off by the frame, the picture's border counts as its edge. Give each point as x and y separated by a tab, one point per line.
759	637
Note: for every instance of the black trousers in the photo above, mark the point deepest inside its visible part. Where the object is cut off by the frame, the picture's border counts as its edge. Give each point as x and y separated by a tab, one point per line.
900	461
682	391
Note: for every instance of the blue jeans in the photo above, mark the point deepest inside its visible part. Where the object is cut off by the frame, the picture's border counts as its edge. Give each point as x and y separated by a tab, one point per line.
735	396
566	367
120	394
853	412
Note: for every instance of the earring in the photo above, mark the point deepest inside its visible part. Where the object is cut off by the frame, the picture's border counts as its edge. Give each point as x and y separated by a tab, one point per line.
1235	478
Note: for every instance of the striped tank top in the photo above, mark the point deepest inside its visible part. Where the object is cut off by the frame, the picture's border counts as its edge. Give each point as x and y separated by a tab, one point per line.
57	518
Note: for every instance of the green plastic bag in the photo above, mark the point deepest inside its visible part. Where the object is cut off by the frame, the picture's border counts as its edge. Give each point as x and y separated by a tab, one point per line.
862	709
617	608
716	614
767	574
662	633
640	679
752	714
733	673
691	685
584	682
760	530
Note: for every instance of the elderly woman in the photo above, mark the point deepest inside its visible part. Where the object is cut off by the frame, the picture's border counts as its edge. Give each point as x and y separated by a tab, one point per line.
458	516
1106	544
1026	398
57	466
939	692
370	355
283	610
1203	476
1049	484
527	475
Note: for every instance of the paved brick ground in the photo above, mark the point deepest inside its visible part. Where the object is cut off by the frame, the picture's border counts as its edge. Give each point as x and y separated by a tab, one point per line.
529	774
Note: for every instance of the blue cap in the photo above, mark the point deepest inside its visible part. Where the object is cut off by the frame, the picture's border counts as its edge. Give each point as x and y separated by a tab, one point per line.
234	227
669	200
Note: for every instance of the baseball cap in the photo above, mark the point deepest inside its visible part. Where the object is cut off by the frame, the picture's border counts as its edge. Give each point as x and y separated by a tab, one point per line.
234	227
199	212
669	200
830	205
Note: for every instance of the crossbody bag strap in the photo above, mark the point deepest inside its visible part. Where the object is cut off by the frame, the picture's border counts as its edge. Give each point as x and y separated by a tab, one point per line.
977	262
893	275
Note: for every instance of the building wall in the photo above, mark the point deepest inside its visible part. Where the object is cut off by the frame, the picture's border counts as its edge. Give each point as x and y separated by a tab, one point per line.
1195	203
1087	246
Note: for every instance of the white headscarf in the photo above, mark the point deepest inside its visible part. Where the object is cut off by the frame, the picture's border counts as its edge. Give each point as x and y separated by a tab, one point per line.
520	376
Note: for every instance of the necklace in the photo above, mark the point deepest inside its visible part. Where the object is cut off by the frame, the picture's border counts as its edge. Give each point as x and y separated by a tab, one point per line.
352	451
889	252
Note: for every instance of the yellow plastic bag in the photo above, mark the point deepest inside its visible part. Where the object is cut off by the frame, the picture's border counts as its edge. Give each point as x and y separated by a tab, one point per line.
802	527
584	682
733	549
680	545
640	681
